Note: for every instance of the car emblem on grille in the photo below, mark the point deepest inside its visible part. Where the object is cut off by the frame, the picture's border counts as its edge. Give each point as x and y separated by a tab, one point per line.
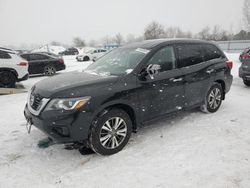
32	99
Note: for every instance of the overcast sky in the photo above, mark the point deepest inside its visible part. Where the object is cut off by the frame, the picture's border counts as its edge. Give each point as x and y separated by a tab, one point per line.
42	21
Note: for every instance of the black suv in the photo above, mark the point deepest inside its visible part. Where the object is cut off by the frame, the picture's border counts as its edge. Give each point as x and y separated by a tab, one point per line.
70	51
131	85
244	70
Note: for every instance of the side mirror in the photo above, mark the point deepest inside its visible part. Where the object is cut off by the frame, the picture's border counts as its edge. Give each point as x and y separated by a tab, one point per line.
150	70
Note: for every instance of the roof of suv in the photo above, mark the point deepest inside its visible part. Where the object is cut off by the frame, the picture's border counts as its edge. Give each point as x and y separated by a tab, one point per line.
7	50
149	44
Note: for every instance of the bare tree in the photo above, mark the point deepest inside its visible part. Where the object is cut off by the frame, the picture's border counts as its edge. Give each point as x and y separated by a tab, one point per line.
215	35
55	43
92	43
131	38
78	42
204	34
154	31
246	13
118	39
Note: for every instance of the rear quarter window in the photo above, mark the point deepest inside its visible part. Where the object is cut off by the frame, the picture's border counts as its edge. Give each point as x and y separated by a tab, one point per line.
212	52
189	54
25	56
4	55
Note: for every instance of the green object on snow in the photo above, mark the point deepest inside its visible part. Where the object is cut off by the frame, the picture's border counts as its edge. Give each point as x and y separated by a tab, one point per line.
45	143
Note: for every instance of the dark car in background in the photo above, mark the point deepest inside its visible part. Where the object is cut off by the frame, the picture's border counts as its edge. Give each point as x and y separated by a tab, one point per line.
245	55
70	51
100	107
40	63
51	54
244	70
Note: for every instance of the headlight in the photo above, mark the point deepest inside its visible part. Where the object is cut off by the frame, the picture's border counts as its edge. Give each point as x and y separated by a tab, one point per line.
67	104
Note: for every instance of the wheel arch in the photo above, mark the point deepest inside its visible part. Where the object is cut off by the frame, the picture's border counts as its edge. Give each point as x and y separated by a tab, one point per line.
123	106
11	70
223	85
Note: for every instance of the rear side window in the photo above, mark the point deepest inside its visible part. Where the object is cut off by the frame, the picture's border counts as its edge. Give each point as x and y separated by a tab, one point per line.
211	52
4	55
189	54
25	56
38	57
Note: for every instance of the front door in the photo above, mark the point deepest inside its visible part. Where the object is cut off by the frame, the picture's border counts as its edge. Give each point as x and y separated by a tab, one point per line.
162	92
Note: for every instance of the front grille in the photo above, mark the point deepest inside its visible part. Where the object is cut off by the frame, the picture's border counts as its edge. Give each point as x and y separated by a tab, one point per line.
37	102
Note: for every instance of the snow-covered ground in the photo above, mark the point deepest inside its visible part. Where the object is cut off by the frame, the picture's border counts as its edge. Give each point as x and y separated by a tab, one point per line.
189	149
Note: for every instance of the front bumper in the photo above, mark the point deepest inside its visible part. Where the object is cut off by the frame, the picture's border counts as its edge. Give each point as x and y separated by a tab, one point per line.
62	127
23	78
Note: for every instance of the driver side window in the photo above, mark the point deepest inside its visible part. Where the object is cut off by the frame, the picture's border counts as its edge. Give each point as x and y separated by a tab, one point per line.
165	57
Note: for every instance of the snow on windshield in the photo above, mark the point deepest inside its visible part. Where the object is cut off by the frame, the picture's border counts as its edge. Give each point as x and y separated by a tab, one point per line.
118	62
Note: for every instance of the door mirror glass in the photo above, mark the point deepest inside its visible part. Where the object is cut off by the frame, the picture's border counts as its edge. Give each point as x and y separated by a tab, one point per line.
150	70
153	69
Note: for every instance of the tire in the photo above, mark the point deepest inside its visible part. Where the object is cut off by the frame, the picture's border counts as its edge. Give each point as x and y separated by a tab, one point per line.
49	70
213	99
110	132
246	82
86	58
7	79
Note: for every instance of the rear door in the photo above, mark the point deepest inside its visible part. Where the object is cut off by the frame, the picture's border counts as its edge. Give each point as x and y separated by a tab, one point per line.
199	73
163	92
37	63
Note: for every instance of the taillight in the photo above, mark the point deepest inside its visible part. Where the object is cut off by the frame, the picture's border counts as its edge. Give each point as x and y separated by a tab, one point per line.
61	61
229	64
245	56
23	63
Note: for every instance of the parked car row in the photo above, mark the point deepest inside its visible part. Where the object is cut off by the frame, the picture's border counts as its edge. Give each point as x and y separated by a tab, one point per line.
15	68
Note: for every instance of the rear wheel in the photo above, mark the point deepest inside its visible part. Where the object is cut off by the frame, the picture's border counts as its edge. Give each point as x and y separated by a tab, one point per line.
110	132
213	99
49	70
7	79
246	82
86	58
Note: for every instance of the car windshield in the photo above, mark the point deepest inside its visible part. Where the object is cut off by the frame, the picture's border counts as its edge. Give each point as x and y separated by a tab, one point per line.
120	61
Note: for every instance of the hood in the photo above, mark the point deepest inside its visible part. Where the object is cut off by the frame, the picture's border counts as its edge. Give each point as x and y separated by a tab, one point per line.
73	84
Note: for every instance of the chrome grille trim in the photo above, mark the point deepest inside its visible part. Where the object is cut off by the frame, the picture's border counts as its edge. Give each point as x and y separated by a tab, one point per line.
41	105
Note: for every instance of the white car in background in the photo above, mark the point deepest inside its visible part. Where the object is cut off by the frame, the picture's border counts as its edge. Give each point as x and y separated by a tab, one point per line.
91	55
12	68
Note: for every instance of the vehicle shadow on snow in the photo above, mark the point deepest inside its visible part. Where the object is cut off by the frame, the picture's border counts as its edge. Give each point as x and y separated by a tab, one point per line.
168	120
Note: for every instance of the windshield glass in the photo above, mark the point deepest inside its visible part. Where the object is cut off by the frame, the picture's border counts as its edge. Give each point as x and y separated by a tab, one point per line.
120	61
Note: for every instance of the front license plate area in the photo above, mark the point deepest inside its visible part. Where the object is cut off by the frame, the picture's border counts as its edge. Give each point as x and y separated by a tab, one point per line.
29	125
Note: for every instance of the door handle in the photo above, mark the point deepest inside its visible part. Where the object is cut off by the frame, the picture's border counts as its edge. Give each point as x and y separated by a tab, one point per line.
177	79
209	71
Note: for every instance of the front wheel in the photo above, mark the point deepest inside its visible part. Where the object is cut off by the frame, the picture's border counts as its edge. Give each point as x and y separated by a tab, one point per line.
246	82
213	99
110	132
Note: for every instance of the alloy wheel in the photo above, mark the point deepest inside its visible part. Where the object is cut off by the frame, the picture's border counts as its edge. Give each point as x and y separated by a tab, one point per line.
49	70
214	98
113	133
